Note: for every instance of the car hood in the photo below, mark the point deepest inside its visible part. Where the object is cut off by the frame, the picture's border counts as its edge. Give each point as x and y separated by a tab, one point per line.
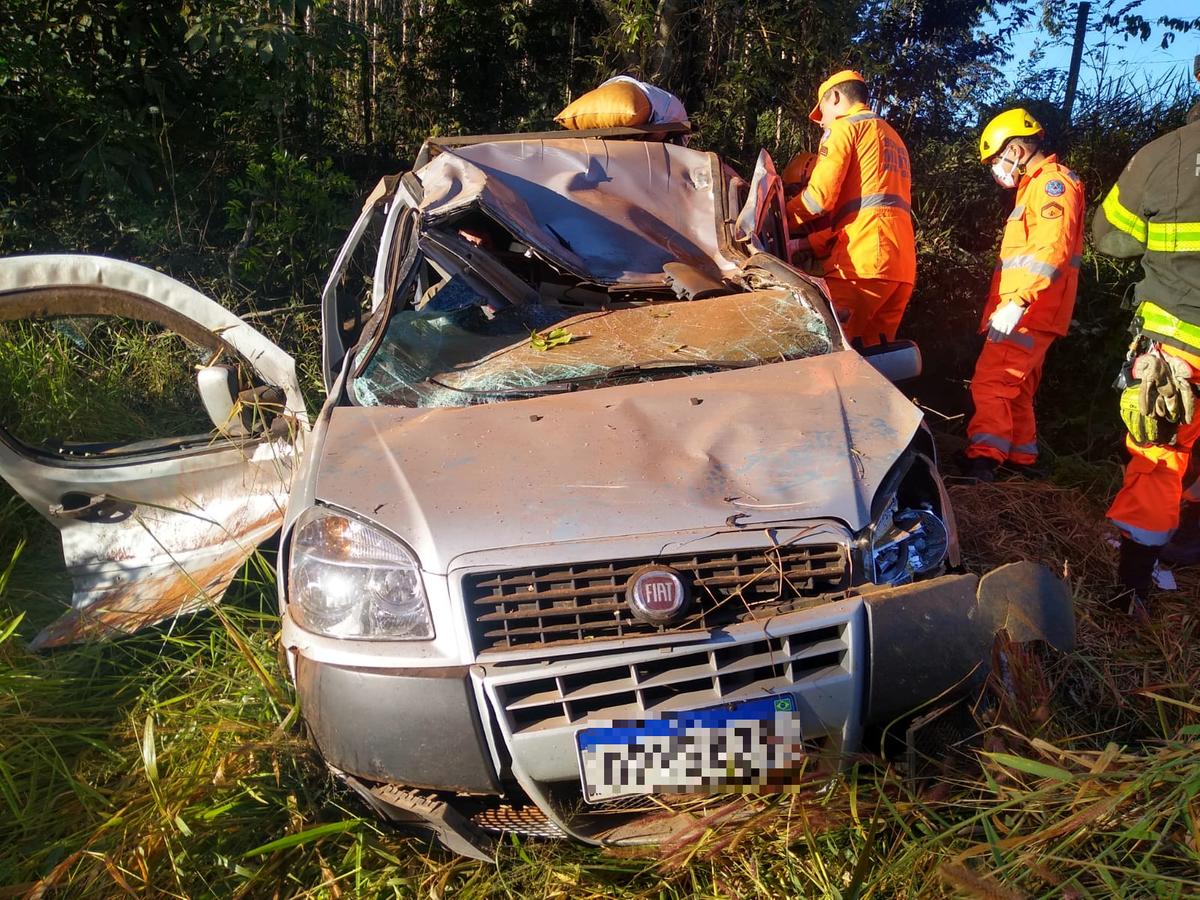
811	438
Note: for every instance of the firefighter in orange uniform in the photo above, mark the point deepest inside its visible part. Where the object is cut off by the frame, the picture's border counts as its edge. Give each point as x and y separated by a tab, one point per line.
1032	294
860	191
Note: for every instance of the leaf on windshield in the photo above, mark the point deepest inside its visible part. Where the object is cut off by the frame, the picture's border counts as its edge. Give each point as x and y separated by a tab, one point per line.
544	340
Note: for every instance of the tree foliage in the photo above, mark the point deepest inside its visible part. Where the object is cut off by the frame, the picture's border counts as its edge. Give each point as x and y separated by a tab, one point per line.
226	139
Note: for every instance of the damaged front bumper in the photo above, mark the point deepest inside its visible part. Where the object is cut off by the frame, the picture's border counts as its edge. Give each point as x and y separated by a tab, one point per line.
469	752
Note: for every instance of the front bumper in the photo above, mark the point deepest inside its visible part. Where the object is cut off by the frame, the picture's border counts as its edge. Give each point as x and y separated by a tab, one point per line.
506	729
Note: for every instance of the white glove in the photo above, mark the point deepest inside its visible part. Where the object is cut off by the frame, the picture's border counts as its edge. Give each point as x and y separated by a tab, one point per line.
1005	319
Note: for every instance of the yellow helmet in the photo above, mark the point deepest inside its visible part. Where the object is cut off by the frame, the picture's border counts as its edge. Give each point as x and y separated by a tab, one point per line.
799	169
1009	124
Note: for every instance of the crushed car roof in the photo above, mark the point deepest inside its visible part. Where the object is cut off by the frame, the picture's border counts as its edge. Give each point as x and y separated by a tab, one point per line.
608	212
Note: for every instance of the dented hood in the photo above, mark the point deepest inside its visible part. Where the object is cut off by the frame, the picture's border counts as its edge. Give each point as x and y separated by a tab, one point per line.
812	438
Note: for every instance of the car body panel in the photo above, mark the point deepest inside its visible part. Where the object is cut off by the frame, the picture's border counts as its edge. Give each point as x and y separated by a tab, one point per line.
155	530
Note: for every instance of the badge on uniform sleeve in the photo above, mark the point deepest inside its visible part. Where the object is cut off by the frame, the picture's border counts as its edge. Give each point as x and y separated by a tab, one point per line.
1051	210
1055	188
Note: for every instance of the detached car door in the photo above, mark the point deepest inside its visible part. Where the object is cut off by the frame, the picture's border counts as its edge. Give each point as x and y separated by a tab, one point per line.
156	430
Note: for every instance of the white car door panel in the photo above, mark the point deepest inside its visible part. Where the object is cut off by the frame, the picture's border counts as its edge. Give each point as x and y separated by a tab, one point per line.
151	529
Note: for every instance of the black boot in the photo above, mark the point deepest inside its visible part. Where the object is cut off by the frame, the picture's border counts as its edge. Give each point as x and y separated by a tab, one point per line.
1034	471
1135	572
980	468
1184	549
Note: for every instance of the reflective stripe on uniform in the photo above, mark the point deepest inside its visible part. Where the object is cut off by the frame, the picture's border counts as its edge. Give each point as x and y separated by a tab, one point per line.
1027	449
1173	237
1030	263
867	201
1017	212
1021	340
1123	219
859	117
1075	261
1158	321
810	203
1142	535
991	440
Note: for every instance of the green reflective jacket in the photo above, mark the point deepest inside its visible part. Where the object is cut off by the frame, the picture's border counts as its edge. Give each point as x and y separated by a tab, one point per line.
1153	212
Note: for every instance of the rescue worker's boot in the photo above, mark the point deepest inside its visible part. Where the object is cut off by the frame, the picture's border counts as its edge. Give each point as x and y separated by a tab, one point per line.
980	468
1033	471
1184	549
1135	573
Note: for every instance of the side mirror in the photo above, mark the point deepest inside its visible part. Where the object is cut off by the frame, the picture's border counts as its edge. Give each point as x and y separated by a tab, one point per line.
238	413
896	360
261	408
218	386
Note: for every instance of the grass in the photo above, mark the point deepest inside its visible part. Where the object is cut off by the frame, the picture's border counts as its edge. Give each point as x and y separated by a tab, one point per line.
174	763
90	379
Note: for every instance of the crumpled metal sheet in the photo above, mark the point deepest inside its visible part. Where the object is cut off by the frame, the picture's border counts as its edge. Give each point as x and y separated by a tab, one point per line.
174	551
609	212
450	359
957	617
765	187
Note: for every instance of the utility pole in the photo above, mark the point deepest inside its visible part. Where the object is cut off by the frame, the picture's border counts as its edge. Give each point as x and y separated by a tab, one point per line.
1076	53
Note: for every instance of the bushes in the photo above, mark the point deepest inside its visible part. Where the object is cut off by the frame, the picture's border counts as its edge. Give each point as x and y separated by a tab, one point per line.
292	215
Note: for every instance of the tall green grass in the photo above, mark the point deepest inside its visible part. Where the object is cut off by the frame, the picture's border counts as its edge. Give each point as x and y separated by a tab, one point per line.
90	379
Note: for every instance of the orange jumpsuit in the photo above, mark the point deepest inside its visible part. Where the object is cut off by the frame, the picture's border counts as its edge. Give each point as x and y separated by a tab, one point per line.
861	190
1040	254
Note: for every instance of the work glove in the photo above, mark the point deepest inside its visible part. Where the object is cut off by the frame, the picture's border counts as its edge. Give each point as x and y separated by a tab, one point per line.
1004	320
1166	389
1161	401
1144	430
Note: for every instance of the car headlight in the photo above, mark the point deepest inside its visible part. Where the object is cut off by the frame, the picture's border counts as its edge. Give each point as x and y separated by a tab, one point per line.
349	579
907	543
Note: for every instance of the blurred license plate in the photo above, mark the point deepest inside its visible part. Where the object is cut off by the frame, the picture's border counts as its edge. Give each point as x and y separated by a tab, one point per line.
755	746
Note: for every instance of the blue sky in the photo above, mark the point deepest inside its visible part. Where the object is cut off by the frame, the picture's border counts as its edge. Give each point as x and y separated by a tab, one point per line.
1123	56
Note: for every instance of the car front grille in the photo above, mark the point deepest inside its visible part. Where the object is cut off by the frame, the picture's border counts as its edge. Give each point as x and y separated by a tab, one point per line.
688	677
529	608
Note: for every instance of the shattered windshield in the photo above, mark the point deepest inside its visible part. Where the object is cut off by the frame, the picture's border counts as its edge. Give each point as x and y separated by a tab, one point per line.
461	350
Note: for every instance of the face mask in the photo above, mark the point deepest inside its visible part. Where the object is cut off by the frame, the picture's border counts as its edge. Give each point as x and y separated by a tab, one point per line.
1004	171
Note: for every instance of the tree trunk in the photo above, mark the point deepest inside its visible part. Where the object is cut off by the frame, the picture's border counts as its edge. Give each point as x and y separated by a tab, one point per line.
667	40
364	77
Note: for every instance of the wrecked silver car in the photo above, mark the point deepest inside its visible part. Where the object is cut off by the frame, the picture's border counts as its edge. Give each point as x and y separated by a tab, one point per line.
598	488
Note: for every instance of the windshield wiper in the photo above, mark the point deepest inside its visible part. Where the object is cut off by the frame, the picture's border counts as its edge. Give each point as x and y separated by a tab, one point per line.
658	365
